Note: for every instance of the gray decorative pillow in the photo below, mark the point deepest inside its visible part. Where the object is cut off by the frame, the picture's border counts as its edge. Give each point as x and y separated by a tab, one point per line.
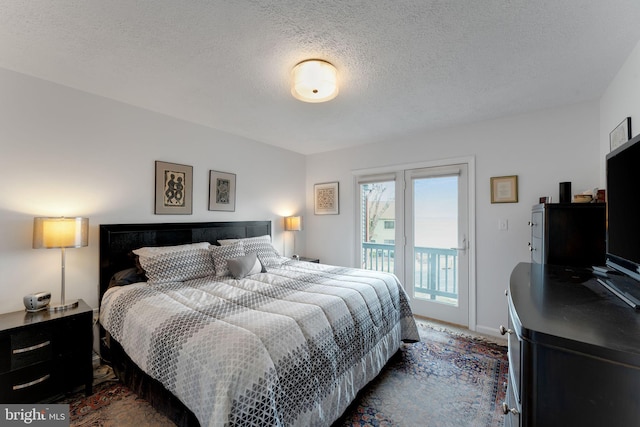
267	254
175	263
245	265
220	255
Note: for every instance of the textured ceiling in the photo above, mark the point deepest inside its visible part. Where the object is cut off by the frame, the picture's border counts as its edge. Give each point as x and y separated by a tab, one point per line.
404	66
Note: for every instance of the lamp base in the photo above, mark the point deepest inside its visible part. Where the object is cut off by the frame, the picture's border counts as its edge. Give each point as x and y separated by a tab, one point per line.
63	307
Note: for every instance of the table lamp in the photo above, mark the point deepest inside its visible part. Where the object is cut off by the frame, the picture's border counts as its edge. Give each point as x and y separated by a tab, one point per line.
60	232
293	223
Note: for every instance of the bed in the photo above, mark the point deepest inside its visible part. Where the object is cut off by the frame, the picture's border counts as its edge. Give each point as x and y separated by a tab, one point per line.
211	325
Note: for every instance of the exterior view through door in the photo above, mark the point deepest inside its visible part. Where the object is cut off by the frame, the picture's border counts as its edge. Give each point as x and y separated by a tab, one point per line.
428	209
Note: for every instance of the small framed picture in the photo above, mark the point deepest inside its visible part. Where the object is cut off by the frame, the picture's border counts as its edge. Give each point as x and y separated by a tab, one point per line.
222	191
174	189
326	198
504	189
621	134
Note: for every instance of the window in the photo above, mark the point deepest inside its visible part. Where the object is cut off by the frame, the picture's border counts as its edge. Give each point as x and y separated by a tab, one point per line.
377	222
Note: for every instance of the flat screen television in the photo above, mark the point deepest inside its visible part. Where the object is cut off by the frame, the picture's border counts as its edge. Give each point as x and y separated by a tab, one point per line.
623	219
623	208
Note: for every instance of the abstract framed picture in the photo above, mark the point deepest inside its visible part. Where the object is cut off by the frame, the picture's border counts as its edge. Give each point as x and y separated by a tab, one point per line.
326	198
174	189
621	134
504	189
222	191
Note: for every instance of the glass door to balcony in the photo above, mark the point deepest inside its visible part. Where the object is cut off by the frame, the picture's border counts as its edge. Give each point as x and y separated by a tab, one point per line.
436	220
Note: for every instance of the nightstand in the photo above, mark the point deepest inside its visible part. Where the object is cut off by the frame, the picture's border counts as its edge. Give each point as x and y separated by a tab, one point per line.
316	260
45	354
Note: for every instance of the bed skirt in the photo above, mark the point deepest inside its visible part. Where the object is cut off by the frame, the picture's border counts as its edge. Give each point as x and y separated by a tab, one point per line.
148	388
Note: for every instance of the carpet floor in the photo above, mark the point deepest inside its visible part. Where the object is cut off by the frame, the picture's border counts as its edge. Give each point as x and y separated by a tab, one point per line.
449	379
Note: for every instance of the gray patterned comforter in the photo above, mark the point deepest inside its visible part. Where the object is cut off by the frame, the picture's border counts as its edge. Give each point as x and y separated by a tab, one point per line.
288	347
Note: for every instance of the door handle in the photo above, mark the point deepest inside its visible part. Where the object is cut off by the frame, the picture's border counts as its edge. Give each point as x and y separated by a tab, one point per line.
464	245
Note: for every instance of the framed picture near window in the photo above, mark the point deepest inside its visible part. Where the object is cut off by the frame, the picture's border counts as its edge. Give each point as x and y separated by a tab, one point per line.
174	189
621	134
222	191
504	189
326	198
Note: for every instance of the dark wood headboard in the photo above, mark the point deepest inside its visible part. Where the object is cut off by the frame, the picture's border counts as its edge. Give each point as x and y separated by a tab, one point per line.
118	240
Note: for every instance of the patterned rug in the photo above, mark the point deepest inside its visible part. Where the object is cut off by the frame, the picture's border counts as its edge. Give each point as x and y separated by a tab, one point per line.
448	379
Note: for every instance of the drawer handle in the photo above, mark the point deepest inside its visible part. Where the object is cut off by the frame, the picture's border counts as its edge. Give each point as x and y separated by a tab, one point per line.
506	410
33	347
504	330
29	384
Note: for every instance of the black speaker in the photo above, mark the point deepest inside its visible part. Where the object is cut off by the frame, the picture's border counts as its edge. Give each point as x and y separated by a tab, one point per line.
565	192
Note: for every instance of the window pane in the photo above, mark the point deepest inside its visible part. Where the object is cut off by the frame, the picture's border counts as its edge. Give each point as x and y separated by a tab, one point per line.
435	219
378	225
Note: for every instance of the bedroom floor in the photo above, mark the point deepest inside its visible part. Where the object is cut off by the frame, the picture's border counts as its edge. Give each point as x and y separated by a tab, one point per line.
460	330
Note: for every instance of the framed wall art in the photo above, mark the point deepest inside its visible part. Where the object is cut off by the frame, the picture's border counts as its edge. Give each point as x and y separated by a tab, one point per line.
222	191
504	189
174	189
326	198
621	134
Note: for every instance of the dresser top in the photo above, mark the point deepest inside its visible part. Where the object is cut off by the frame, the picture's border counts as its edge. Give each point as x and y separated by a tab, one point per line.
21	318
566	307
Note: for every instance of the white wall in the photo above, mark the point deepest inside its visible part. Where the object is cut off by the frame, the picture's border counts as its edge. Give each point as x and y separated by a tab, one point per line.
543	148
620	100
65	152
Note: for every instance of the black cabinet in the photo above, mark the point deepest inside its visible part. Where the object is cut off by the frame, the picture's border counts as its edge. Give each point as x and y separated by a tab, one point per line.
45	354
574	351
568	234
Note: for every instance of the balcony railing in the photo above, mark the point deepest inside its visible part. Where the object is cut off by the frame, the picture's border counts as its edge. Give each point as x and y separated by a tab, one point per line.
436	269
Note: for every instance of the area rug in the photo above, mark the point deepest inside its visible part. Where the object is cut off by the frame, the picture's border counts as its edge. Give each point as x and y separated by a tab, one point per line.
446	380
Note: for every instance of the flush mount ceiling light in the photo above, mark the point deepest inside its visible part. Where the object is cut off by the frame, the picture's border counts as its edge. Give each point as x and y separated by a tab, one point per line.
314	80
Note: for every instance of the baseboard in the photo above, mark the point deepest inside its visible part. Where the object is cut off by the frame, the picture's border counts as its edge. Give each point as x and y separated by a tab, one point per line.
486	330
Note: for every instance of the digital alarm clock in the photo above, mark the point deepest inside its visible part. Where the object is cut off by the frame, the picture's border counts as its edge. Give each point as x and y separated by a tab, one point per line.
37	301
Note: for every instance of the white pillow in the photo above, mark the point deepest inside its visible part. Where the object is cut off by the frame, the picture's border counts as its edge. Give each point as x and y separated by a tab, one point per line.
245	265
261	245
165	264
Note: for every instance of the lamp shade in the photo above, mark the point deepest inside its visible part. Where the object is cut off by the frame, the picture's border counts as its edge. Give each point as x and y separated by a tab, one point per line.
314	80
293	223
60	232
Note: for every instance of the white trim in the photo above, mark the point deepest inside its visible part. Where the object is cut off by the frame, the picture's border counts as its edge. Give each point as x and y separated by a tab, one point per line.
471	165
404	166
367	179
485	330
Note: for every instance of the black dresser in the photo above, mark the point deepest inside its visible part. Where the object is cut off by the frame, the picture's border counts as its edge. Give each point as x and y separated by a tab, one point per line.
574	351
568	233
43	354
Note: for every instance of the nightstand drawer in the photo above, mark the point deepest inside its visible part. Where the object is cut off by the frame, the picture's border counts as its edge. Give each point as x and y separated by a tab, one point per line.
29	347
30	384
24	348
